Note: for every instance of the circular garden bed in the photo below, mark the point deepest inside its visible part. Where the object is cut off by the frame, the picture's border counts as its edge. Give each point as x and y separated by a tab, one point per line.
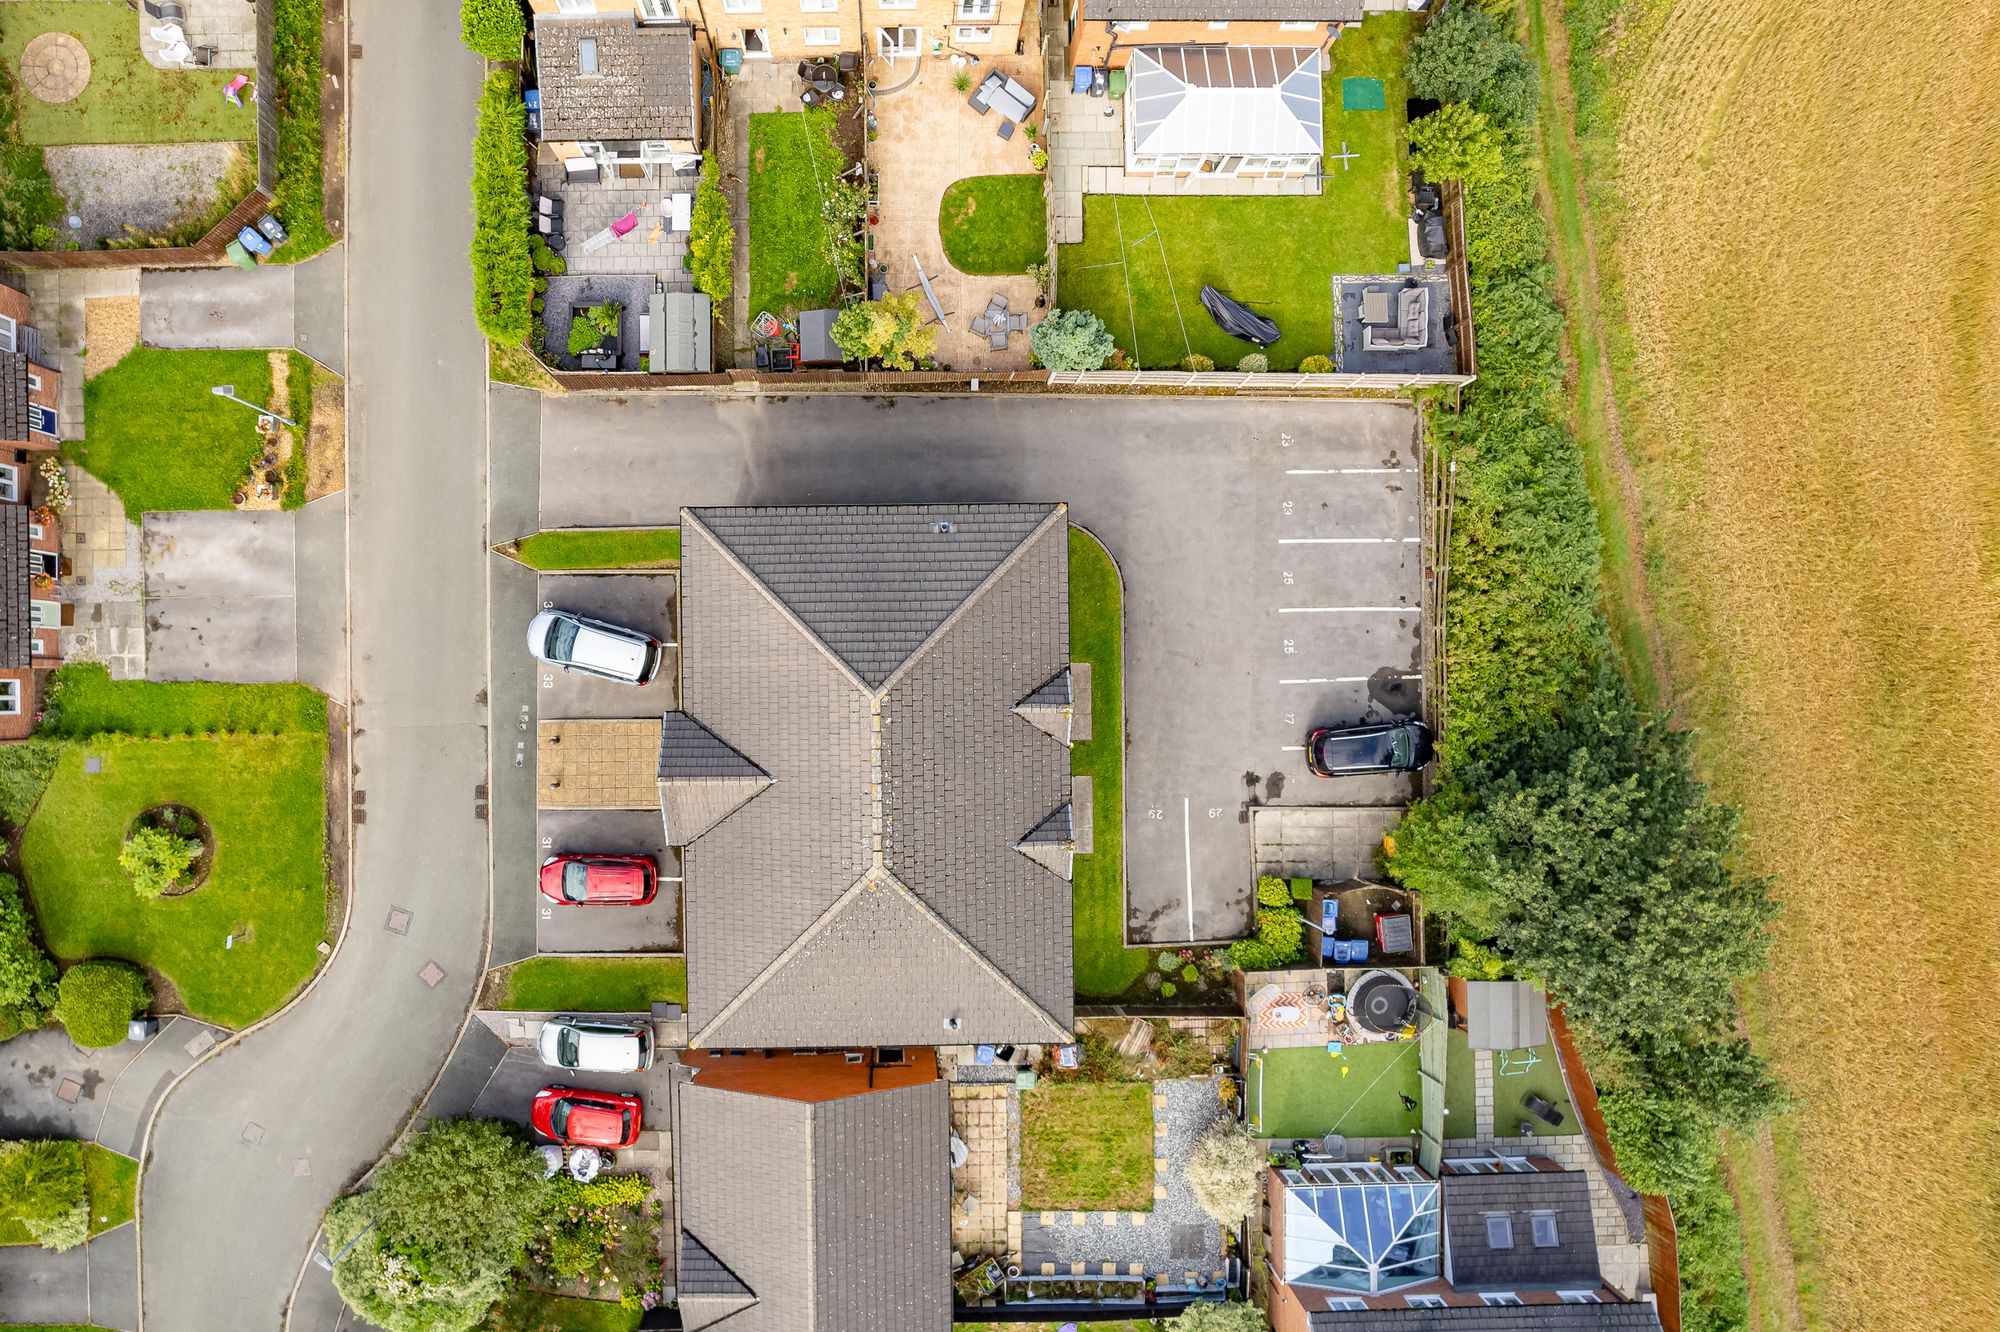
184	822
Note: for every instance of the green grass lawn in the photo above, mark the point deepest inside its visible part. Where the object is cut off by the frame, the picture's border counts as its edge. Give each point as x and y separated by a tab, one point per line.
159	437
1460	1098
994	224
112	1183
1542	1078
264	801
1277	255
791	154
647	548
126	100
593	984
1088	1146
84	700
1105	967
1304	1093
538	1311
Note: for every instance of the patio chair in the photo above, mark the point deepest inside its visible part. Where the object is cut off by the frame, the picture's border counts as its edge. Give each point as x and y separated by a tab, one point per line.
998	342
998	302
1017	323
166	12
980	325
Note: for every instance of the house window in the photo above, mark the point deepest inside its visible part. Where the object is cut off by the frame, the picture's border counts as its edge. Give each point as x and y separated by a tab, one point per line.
1219	27
757	43
34	531
1499	1232
973	36
1543	1225
576	6
34	382
7	333
1424	1301
10	698
10	482
822	36
44	561
45	614
1346	1304
1130	27
1297	26
1501	1299
742	6
1579	1297
889	1055
42	419
819	6
975	9
657	11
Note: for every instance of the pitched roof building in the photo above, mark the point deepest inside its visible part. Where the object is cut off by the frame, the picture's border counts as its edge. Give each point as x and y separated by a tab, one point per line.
865	779
1226	109
611	79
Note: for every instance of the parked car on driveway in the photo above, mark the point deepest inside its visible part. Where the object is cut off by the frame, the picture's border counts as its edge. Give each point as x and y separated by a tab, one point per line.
587	1118
1402	745
595	1047
579	643
591	880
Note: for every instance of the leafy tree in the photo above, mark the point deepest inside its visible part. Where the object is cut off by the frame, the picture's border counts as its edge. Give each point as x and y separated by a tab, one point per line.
493	28
1661	1148
1457	53
1476	962
1221	1316
155	859
1513	95
389	1288
1457	142
27	976
1225	1170
502	270
96	1000
891	330
42	1187
1071	340
711	239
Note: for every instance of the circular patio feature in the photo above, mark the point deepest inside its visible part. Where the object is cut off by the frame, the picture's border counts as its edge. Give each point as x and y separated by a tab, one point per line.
55	67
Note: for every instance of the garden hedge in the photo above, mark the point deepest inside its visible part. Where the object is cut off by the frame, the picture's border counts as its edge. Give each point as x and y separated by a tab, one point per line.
96	1000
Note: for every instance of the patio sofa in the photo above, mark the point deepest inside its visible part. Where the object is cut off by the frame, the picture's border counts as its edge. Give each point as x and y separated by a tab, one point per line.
1412	329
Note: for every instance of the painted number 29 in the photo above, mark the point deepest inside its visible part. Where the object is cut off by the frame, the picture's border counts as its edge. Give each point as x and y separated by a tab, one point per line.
1156	813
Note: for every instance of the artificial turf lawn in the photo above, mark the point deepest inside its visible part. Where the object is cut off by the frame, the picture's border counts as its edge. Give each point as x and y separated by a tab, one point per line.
110	1180
1301	1092
791	154
994	224
594	984
84	700
264	801
526	1310
601	550
1088	1146
127	100
163	441
1105	967
1276	254
1543	1078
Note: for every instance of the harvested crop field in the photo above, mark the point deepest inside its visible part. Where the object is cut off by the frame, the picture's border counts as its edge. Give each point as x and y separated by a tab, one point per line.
1806	195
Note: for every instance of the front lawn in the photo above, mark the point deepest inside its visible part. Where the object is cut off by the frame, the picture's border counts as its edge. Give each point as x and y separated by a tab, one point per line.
638	549
792	157
1146	258
1307	1093
592	984
163	441
994	224
84	700
1087	1146
126	100
110	1181
525	1310
1105	967
264	802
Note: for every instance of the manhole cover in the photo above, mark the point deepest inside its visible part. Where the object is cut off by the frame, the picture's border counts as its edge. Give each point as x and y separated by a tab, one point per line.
431	975
399	921
55	67
253	1133
1187	1242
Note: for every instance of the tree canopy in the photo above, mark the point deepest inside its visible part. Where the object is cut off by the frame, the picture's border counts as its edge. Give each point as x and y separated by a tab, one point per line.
891	330
1457	142
1221	1316
1225	1170
1071	340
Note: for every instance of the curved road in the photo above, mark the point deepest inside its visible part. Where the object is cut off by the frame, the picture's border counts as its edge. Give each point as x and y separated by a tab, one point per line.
227	1219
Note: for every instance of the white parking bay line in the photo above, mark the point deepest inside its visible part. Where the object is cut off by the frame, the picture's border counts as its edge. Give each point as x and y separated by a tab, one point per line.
1187	849
1347	610
1347	471
1344	679
1344	541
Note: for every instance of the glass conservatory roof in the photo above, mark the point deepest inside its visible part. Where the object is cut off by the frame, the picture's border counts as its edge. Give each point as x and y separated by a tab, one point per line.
1262	100
1366	1237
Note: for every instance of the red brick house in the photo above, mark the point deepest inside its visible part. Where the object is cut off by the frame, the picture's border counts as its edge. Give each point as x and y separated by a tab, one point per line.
30	540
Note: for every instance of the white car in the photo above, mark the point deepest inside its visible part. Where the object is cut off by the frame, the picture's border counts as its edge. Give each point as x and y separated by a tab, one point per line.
579	643
595	1047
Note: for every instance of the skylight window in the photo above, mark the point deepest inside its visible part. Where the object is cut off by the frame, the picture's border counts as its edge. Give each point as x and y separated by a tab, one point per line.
1544	1224
1499	1232
586	55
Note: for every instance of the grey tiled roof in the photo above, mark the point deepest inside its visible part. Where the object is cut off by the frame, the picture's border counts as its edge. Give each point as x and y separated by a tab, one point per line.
1472	1264
1048	708
835	1215
643	87
17	633
1221	11
1052	843
1633	1317
872	891
702	779
700	1272
13	395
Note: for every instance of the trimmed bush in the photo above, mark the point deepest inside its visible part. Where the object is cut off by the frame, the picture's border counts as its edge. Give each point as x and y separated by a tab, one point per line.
1456	142
1273	891
1197	363
493	28
155	860
27	976
502	269
1316	365
1071	340
96	999
1256	363
711	239
1168	989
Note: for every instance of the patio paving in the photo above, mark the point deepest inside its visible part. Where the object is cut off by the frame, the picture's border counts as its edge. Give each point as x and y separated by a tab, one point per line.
1438	356
590	207
227	27
915	170
985	1118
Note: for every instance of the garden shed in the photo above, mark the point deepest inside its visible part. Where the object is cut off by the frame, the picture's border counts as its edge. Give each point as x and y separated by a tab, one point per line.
684	327
1505	1015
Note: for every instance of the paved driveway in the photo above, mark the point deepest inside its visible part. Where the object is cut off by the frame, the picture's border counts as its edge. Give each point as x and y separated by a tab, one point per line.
1272	572
273	305
221	596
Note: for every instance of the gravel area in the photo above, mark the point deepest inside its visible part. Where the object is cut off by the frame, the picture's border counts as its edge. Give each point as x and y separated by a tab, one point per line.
145	185
568	291
110	329
1178	1236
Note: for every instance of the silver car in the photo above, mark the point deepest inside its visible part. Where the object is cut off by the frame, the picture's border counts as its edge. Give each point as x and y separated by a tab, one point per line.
579	643
595	1047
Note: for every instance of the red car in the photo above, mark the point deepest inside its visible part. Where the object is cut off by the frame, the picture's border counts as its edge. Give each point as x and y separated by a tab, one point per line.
587	1118
583	880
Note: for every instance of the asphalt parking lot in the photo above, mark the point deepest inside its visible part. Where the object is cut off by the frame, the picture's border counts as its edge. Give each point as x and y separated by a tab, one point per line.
634	601
1273	579
607	929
